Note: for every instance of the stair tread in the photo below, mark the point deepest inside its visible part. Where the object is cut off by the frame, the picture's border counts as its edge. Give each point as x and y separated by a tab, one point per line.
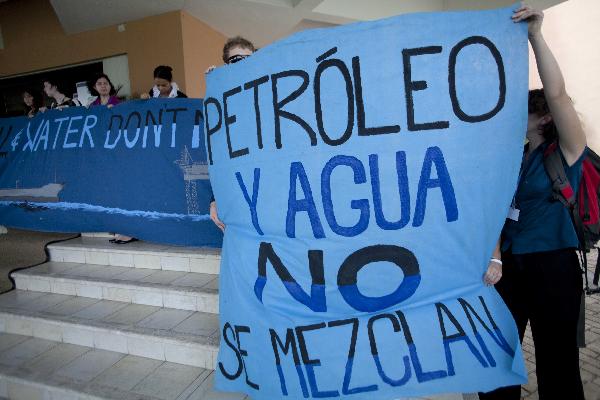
190	327
65	369
125	276
102	244
139	254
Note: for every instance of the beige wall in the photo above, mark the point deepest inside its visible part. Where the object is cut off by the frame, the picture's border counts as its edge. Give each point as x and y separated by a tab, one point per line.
573	33
34	40
202	47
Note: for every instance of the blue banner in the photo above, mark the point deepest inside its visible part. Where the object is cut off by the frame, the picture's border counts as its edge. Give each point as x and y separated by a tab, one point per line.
364	173
139	169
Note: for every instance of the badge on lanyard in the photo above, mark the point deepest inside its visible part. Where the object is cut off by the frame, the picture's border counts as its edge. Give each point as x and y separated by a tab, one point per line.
513	213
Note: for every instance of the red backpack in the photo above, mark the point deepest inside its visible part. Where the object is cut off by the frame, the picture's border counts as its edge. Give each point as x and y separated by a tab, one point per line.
583	204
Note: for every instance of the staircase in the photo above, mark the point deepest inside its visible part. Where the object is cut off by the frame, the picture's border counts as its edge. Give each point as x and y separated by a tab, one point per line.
103	321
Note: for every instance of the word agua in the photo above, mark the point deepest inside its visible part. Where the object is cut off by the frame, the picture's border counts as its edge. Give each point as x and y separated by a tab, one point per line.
301	198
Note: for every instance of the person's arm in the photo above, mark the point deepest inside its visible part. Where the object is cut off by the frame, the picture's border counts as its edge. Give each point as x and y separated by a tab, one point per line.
494	271
146	96
214	216
570	132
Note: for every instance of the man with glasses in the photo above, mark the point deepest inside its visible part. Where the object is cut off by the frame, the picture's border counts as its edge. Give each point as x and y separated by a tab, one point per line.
235	50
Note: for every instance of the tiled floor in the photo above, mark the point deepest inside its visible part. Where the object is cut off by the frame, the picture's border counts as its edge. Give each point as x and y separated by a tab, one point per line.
589	357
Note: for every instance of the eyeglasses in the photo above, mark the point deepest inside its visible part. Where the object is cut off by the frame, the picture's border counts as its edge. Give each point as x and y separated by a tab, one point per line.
235	58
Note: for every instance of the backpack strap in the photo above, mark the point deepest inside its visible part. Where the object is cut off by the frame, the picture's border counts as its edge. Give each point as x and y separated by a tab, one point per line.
561	187
563	192
596	277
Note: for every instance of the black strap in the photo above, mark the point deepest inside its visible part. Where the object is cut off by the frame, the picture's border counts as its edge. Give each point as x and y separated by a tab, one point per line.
558	177
597	271
578	225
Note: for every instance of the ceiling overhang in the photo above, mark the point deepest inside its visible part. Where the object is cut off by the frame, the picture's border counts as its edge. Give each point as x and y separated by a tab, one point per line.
262	21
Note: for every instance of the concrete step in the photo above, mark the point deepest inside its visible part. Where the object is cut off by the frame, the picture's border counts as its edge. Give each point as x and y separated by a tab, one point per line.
166	334
98	250
123	351
40	369
107	235
174	289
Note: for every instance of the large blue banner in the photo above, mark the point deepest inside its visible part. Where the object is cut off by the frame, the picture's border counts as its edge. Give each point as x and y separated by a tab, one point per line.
364	173
138	169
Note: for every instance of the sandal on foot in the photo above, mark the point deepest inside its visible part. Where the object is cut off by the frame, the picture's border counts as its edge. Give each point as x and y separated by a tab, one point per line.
125	241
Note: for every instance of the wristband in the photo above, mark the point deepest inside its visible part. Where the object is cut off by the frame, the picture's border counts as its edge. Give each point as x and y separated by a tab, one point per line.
496	260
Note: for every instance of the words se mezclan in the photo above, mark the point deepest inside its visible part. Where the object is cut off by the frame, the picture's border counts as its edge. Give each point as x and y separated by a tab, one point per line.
396	358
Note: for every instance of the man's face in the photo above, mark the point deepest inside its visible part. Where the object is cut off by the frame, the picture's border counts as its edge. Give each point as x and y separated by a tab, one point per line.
238	53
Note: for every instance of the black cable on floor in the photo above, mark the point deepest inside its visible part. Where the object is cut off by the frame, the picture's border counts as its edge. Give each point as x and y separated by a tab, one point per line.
12	280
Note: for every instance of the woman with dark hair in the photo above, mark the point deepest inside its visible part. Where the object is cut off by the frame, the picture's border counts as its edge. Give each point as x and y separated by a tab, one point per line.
541	277
104	90
163	84
32	103
58	99
102	87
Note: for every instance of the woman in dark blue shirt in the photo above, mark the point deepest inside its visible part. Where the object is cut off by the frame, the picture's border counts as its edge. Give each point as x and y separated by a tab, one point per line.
541	277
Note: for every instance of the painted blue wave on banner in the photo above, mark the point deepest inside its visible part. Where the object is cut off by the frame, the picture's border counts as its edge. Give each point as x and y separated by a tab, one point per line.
364	173
139	168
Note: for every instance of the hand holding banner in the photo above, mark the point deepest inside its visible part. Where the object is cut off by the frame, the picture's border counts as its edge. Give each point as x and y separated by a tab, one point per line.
364	173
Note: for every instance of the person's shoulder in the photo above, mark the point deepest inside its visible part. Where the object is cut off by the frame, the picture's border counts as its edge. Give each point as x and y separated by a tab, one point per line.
180	94
577	165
